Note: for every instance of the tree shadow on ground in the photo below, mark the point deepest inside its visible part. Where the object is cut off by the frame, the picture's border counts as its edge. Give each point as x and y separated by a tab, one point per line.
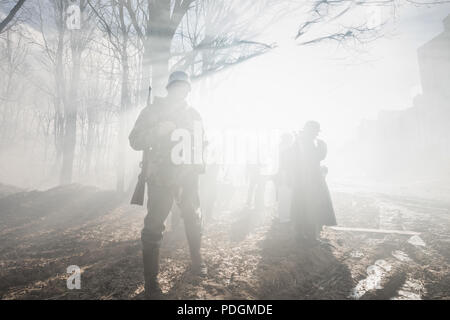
43	232
246	221
292	270
58	207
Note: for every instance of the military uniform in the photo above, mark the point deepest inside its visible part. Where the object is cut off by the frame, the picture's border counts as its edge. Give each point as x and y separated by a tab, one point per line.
311	206
167	182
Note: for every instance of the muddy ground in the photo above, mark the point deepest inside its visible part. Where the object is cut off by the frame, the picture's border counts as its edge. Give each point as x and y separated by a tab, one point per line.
249	254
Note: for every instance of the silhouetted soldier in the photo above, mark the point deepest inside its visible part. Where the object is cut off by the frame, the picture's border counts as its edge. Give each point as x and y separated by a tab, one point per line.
311	202
166	180
256	181
283	178
257	185
208	190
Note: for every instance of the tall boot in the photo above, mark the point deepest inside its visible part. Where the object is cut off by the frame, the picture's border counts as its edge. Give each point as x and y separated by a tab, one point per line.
194	237
150	254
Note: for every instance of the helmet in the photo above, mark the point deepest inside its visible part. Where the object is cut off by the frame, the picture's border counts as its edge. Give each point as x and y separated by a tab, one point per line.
179	76
312	126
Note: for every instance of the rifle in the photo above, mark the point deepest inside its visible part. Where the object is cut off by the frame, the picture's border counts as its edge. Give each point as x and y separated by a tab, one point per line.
139	191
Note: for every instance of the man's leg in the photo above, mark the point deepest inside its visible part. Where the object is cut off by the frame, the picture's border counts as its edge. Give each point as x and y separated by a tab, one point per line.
191	213
160	200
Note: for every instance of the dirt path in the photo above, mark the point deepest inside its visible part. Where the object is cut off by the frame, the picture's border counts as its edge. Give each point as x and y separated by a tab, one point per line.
42	233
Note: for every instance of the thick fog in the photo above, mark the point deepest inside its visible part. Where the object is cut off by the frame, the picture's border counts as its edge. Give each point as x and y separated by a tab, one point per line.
313	164
349	87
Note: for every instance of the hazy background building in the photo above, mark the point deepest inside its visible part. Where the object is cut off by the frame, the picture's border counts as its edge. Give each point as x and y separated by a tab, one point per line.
414	142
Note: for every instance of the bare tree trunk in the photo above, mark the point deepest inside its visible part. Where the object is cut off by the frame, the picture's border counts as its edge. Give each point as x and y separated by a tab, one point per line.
70	119
78	43
123	120
11	15
60	98
160	53
157	34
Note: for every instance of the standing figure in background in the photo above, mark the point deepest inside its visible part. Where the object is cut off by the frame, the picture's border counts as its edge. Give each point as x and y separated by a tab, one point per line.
283	178
256	187
168	181
209	185
312	207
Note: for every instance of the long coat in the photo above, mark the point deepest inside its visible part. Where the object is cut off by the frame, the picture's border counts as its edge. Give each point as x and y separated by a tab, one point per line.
311	201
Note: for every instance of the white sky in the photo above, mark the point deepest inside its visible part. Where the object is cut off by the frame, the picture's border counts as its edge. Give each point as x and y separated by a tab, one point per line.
339	88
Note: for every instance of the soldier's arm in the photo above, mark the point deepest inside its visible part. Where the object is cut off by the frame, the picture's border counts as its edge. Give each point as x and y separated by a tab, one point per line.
322	150
143	134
